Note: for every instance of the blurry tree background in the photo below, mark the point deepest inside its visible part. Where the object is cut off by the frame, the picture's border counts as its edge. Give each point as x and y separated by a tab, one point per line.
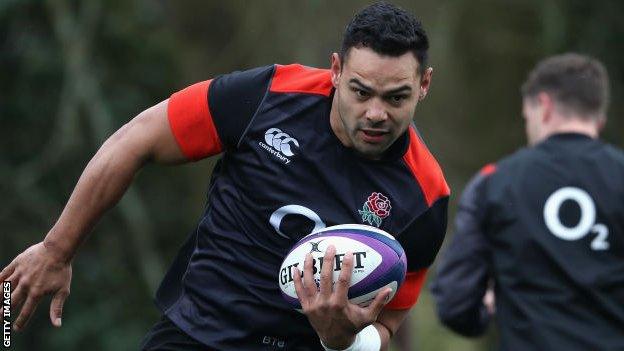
72	72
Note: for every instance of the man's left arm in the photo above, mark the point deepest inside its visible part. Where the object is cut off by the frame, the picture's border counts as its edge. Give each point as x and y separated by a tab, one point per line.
421	241
463	273
341	324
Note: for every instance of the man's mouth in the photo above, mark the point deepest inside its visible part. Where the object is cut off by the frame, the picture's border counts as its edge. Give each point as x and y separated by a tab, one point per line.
373	136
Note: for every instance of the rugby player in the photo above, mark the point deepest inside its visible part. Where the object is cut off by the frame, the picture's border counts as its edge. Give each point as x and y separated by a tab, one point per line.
545	225
302	148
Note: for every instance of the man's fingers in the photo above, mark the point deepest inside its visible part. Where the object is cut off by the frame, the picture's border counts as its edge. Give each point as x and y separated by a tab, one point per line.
17	296
308	277
7	271
301	295
346	270
14	279
56	307
489	300
27	311
326	283
378	303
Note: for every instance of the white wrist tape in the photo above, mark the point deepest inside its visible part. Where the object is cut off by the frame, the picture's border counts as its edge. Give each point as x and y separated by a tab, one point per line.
368	339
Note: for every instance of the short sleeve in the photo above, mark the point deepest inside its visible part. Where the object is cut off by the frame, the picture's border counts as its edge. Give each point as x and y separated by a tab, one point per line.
210	117
423	238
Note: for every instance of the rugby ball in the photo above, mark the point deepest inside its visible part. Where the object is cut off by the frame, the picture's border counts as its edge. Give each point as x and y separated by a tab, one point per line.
379	261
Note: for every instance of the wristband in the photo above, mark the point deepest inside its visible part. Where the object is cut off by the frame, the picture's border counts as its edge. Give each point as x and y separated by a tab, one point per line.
368	339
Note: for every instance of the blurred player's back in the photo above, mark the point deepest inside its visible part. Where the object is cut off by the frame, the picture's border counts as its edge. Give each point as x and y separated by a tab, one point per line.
556	226
545	224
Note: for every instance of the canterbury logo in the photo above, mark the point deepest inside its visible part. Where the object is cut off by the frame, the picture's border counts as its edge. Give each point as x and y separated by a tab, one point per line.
280	141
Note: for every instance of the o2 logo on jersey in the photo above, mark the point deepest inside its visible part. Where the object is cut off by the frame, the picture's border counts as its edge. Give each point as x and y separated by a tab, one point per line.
586	224
279	214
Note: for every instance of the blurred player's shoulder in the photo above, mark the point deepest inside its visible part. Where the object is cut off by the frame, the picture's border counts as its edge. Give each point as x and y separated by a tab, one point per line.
615	152
488	169
511	163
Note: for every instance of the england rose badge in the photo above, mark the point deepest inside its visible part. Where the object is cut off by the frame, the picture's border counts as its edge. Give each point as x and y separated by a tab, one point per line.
375	209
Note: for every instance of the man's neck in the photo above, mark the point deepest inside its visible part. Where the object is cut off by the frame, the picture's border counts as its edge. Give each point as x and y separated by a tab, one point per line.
589	128
336	122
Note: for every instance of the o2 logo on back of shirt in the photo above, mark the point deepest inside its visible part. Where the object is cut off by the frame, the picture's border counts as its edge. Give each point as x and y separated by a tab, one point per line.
586	224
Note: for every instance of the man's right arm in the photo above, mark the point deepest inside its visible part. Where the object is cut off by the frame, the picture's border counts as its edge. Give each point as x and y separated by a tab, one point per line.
201	120
45	268
147	137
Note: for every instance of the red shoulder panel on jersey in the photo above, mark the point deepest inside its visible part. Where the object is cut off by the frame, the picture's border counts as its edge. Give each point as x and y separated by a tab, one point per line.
300	79
408	293
191	122
425	169
488	169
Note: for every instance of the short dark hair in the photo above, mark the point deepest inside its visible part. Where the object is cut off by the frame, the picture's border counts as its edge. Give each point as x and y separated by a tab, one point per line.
578	83
387	30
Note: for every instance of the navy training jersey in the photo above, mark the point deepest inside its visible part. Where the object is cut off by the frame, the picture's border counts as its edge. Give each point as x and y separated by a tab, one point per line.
283	174
547	225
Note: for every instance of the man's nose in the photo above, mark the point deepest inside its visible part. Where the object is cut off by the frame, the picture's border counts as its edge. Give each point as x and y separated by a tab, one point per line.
376	112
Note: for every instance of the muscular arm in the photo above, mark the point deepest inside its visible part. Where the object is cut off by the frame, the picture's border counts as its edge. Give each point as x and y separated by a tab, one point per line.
196	122
147	137
45	268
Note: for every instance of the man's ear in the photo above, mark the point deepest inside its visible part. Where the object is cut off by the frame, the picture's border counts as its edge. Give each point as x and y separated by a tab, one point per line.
547	106
600	123
425	83
336	69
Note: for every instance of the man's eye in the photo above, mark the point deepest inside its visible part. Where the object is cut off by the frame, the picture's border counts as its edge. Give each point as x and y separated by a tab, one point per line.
397	98
361	93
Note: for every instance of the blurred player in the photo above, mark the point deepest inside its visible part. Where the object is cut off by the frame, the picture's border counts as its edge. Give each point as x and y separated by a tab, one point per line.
546	224
303	148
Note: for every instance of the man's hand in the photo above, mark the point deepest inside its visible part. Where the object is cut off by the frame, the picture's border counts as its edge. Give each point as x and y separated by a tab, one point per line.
489	300
334	318
37	272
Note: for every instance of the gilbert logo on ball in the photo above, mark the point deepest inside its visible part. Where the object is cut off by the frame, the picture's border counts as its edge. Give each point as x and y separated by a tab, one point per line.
378	261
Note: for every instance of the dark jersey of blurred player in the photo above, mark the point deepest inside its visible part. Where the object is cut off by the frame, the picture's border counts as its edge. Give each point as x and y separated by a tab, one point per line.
547	225
283	174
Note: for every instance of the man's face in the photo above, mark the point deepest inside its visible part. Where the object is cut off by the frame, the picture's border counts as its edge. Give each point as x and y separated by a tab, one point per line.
375	98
